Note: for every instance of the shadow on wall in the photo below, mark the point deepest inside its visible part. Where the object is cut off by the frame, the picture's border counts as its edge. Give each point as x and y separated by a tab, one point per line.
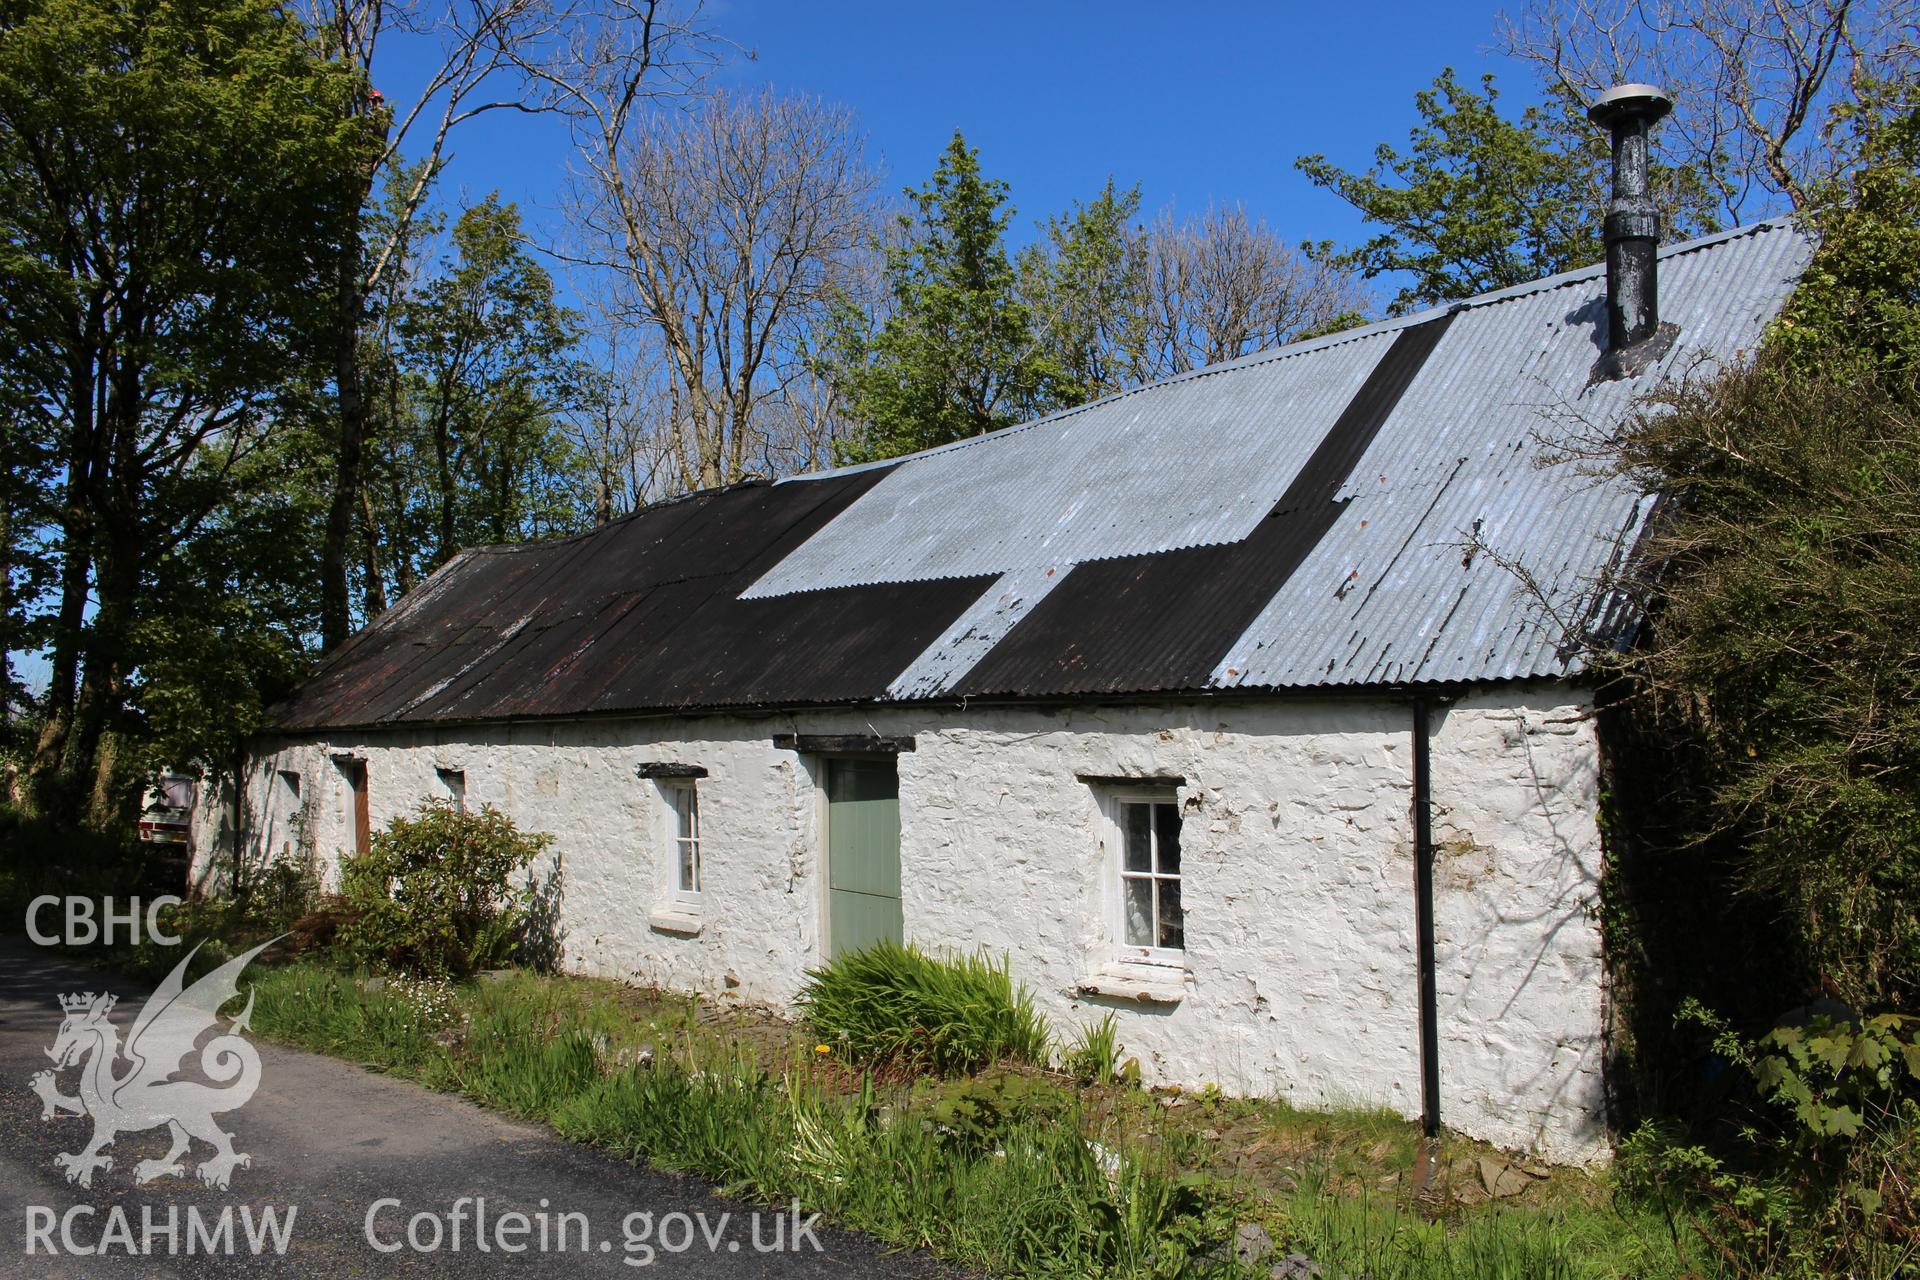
1483	967
276	844
216	807
543	938
235	861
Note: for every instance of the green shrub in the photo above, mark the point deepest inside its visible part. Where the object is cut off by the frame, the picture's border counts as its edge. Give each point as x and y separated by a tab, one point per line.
435	894
1772	699
285	890
1820	1175
895	1005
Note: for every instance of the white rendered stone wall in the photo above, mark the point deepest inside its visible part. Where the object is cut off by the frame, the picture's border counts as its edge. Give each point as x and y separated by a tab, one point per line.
1297	863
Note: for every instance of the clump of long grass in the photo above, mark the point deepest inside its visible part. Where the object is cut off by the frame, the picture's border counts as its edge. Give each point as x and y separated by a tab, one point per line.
1094	1052
1042	1201
898	1006
1380	1239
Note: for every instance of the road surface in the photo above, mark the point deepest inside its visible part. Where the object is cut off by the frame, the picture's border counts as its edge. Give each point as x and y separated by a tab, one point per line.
363	1175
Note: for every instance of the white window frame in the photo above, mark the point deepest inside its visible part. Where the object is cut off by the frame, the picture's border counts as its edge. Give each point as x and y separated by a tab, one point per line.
673	790
1115	874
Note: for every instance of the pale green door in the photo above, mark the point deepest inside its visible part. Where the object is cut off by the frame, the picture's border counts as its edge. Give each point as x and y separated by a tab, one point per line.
863	853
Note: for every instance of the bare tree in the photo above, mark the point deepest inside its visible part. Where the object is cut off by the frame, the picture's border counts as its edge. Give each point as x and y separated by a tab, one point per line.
1221	284
731	231
620	420
493	55
1756	80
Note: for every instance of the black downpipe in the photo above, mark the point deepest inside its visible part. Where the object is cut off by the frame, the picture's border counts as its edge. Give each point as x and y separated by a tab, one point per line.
1423	920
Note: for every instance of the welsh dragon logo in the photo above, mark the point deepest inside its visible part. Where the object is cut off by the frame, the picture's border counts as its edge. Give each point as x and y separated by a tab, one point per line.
145	1095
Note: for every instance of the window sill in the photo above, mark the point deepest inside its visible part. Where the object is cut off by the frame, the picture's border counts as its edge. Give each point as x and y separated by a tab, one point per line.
684	923
1140	983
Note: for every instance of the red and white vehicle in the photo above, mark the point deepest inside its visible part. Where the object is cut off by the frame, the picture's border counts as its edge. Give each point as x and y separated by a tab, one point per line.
166	810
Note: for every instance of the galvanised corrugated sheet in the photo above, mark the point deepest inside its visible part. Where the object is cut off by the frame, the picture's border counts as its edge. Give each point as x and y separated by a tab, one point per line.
975	633
1467	543
1188	462
1158	621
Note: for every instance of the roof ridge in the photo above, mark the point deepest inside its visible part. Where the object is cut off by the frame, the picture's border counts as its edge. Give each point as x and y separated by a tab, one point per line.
530	544
1309	346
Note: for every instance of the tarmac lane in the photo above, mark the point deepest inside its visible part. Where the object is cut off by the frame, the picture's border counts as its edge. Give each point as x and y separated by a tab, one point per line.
352	1173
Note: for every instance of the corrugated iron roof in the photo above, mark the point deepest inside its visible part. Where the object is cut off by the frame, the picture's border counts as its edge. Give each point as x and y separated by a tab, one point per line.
1376	507
1391	595
1218	445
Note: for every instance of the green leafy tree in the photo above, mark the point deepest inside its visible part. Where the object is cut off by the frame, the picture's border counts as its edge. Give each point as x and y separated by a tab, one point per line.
172	180
1859	306
1480	201
27	453
1100	302
228	616
1084	284
390	533
960	352
482	355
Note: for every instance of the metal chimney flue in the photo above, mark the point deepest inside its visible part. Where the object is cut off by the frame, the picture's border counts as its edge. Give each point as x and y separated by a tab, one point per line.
1635	336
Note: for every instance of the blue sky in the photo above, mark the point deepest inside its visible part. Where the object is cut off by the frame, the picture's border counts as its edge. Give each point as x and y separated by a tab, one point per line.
1206	101
1196	102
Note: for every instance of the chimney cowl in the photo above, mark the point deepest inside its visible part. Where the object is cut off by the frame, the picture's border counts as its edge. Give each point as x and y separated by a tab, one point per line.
1625	101
1635	336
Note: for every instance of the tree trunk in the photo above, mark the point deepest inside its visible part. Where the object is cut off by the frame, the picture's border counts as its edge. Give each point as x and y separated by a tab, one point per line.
401	551
90	784
113	801
85	464
376	587
336	619
443	478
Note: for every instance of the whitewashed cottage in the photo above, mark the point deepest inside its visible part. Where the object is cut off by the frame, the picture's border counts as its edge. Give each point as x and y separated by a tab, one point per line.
1220	704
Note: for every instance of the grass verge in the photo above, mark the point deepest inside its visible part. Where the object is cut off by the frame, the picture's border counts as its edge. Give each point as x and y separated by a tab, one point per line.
1012	1170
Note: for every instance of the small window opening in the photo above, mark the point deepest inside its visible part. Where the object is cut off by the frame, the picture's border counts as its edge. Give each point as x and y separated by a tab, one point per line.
686	838
1151	918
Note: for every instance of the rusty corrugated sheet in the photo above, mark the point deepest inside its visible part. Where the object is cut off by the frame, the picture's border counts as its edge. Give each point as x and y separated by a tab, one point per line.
643	614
